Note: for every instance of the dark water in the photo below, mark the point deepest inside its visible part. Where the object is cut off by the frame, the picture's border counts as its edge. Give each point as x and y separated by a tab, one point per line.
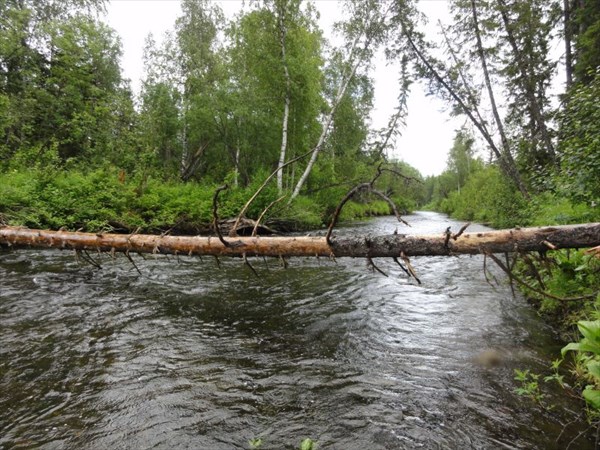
191	356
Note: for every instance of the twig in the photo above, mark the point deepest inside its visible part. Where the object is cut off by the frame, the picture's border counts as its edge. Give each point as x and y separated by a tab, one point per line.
515	258
512	286
86	257
534	269
216	217
485	271
249	265
409	267
372	265
595	251
366	187
401	266
461	231
261	187
266	263
577	418
400	174
132	262
255	229
338	210
581	433
392	204
448	235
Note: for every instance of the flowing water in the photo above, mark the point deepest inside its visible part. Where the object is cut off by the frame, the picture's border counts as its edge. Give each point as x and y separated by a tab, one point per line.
188	355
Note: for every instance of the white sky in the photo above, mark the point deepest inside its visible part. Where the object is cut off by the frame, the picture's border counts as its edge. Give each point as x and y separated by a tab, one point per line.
429	131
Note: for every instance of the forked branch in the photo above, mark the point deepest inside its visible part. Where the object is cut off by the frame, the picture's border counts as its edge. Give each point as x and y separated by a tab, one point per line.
366	187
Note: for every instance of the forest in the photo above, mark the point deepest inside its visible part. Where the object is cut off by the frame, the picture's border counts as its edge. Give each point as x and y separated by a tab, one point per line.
264	96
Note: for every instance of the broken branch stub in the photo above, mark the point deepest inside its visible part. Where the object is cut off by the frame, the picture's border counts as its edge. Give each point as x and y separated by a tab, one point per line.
499	241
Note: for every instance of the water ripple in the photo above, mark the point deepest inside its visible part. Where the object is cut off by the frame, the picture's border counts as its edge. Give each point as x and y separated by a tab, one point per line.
191	356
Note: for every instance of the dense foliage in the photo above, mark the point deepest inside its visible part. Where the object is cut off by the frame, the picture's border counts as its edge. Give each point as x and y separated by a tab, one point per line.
222	101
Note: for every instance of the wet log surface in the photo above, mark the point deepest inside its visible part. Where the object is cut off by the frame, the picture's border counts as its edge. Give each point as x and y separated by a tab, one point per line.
498	241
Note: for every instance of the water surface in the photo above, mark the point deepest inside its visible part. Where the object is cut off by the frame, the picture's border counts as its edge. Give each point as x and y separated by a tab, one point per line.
192	356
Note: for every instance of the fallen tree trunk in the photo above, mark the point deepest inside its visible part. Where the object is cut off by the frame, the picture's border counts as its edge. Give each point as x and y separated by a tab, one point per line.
395	245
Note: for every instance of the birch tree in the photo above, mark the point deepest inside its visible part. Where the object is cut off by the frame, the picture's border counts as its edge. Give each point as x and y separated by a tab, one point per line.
364	31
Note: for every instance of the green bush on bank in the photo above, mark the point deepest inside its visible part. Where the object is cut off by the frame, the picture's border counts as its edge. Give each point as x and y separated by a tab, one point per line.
487	197
107	199
553	209
101	200
563	274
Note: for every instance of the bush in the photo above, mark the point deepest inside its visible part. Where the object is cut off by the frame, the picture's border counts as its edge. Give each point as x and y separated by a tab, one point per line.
579	147
305	212
552	209
487	197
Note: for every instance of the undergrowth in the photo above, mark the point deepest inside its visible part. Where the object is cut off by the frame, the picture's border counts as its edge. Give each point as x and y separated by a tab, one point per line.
106	200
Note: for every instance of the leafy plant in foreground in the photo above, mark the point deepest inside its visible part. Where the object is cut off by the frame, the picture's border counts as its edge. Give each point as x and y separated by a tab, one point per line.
530	386
588	353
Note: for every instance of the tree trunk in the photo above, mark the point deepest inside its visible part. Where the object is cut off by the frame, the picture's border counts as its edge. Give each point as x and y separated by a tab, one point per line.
344	83
568	35
507	161
394	245
528	84
286	106
480	124
317	148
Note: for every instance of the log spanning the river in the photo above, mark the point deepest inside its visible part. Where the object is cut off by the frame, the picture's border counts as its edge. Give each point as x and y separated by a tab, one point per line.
394	245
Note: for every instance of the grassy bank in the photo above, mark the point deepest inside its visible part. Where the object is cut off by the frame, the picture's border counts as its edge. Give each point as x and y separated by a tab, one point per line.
106	200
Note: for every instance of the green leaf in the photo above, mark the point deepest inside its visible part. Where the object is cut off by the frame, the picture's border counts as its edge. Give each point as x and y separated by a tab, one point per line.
308	444
571	346
590	330
255	443
592	396
593	368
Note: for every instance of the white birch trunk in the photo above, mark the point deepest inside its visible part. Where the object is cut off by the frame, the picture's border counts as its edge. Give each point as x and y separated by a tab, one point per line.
286	108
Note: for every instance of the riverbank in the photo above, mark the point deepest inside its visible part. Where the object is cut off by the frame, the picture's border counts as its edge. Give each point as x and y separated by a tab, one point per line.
108	200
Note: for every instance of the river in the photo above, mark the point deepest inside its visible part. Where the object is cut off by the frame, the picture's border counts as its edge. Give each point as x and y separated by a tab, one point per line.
189	355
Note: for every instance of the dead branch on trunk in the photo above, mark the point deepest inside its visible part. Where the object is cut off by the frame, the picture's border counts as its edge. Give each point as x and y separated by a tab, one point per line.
512	276
594	251
368	187
409	267
215	215
255	229
259	190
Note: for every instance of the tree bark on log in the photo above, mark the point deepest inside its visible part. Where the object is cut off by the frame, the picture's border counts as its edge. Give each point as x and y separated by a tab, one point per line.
394	245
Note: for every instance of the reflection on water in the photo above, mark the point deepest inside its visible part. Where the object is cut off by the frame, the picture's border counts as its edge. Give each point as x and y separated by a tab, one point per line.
192	356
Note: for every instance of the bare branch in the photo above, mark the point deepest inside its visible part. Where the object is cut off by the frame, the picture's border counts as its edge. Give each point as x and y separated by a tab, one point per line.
245	258
512	276
461	231
373	267
259	190
216	217
255	229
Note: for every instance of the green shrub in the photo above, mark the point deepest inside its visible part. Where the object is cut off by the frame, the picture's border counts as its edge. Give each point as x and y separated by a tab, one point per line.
588	360
305	211
552	209
487	197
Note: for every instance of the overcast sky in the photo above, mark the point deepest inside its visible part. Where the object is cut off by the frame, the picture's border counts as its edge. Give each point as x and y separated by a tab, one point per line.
429	131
